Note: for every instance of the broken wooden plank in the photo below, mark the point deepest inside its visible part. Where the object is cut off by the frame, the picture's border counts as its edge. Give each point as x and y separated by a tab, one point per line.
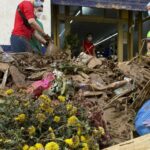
31	68
4	79
141	143
79	78
142	97
36	76
52	51
94	62
18	77
4	67
84	75
90	93
114	85
115	98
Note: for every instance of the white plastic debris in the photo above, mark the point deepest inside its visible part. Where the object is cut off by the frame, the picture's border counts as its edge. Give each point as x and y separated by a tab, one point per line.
84	58
5	57
58	73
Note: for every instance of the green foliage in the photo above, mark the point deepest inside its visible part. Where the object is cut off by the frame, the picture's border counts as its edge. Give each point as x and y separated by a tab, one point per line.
71	41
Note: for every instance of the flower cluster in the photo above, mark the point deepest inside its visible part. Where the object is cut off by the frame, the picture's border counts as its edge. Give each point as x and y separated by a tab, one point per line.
20	118
46	124
39	146
9	92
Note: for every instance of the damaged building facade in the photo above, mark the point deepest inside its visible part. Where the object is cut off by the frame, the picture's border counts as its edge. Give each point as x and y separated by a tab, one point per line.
50	101
119	24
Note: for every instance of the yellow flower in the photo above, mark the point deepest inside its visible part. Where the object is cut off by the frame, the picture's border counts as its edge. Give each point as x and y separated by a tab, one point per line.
79	131
32	148
20	118
57	119
69	142
41	117
76	141
101	130
85	146
73	111
69	107
26	104
31	130
50	129
39	146
52	136
52	146
1	140
9	92
62	98
95	132
49	110
73	142
25	147
83	139
45	98
43	106
73	121
46	107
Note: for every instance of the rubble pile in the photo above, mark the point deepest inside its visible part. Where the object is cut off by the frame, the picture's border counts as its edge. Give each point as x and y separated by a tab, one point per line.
110	93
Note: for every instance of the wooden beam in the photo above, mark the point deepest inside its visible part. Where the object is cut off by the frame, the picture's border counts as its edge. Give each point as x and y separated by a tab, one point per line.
89	18
140	31
55	24
141	143
124	14
67	21
120	42
130	35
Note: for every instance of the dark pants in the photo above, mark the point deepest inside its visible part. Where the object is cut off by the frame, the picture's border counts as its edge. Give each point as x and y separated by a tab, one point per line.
19	44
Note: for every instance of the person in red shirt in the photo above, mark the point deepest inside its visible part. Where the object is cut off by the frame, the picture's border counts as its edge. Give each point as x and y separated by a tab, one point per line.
25	26
88	45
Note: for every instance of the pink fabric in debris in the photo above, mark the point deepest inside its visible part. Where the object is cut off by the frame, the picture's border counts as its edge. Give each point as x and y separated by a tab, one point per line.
38	87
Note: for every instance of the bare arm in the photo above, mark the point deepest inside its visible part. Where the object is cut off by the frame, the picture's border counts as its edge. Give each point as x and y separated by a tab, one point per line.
94	52
39	38
82	49
36	26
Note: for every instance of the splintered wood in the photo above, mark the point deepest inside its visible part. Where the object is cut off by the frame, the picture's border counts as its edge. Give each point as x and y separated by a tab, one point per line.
139	72
141	143
4	67
18	77
143	95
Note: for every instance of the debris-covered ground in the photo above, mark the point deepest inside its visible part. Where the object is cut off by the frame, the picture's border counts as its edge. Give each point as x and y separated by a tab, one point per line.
102	94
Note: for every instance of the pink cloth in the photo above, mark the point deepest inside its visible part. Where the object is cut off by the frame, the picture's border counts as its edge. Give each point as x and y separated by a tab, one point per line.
38	87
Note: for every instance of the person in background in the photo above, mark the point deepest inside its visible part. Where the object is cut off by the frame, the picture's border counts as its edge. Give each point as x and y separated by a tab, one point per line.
36	45
25	26
148	8
148	43
88	45
108	51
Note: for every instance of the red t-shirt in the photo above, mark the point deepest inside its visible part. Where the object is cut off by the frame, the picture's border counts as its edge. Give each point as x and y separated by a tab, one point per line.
20	29
88	47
